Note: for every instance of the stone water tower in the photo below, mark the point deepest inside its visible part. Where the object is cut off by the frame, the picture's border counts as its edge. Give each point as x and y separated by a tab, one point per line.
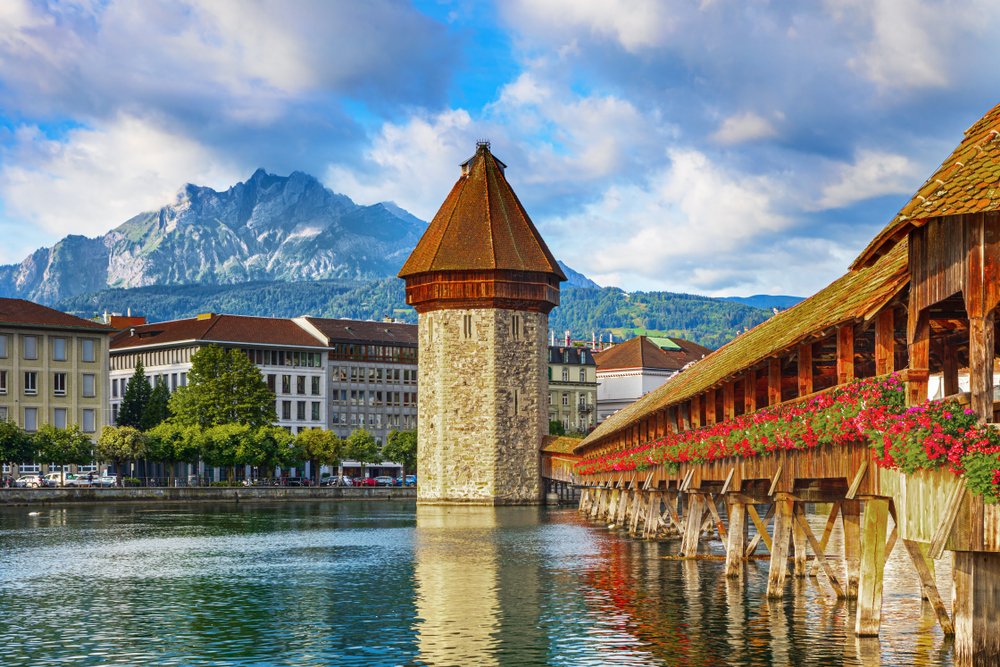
482	282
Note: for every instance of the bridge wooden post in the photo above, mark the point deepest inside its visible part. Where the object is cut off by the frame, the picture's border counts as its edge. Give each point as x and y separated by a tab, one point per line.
977	608
783	517
736	544
692	528
869	611
981	345
799	541
850	519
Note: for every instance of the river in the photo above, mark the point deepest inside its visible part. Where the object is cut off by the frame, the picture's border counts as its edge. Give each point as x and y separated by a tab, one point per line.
387	583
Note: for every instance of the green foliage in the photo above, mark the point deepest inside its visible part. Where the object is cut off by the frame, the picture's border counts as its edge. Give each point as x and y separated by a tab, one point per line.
134	400
401	447
320	447
275	447
121	443
224	387
16	446
63	446
556	428
157	408
361	446
172	443
223	445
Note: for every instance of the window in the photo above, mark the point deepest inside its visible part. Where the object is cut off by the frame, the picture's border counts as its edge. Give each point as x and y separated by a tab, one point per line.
467	326
565	399
4	344
271	383
87	350
315	411
30	347
517	401
315	385
286	410
184	379
3	413
300	385
59	417
3	382
59	349
583	375
565	375
173	382
515	327
30	383
114	388
59	384
89	421
286	384
88	385
31	419
114	413
300	410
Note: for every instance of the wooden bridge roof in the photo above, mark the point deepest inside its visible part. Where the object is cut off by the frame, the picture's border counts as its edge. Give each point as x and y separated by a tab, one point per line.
968	181
481	226
859	294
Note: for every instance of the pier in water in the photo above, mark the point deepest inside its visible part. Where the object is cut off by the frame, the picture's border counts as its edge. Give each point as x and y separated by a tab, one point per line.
388	583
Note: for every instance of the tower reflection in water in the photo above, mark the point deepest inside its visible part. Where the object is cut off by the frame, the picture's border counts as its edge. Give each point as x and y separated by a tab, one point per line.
477	591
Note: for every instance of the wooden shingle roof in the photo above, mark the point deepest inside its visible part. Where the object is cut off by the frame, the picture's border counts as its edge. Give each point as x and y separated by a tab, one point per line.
481	226
967	182
859	294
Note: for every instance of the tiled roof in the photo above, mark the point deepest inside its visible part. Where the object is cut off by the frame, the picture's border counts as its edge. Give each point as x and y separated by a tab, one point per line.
481	226
642	352
273	331
967	182
349	331
563	444
856	295
18	312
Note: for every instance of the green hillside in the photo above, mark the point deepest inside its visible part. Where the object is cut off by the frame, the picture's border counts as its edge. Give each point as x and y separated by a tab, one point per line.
710	322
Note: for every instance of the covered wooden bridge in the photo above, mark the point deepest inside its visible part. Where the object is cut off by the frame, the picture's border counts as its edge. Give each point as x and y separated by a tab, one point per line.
917	306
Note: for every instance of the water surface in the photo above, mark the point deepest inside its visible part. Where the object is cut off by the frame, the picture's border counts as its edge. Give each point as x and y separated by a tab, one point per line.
386	583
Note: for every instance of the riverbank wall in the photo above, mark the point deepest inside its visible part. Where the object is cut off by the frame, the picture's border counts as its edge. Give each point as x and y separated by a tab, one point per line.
70	495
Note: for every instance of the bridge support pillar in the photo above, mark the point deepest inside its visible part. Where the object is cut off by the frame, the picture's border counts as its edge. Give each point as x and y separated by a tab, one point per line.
850	518
799	541
976	608
692	528
737	539
869	612
783	517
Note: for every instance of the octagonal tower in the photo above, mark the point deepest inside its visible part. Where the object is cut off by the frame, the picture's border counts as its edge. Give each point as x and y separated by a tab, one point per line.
482	282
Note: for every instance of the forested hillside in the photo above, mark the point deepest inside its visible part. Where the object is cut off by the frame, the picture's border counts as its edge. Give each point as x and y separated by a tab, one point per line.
711	322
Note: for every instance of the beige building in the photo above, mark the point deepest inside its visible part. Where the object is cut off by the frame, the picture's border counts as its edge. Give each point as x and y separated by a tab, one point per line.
572	388
53	370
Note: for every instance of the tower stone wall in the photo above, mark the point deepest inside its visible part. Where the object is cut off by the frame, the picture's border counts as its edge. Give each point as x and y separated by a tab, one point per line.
481	412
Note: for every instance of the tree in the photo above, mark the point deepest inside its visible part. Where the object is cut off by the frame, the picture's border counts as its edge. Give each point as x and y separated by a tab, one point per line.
157	408
556	428
276	447
224	387
16	446
401	447
361	446
119	444
172	444
226	446
320	448
63	446
134	400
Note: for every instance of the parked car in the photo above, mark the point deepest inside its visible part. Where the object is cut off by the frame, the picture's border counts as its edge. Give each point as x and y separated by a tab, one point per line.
30	481
364	481
291	481
410	480
383	480
106	480
76	479
398	481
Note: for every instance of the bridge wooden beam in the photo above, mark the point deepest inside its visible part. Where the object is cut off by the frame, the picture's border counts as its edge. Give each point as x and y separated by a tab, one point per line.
850	519
885	342
919	347
977	608
845	353
773	381
868	620
805	367
736	544
750	391
729	401
778	568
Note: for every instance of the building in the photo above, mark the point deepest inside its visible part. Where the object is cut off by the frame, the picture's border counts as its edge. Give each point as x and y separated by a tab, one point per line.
482	282
372	378
572	388
629	370
53	370
292	360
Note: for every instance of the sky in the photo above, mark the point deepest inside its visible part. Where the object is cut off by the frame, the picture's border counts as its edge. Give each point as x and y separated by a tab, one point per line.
716	147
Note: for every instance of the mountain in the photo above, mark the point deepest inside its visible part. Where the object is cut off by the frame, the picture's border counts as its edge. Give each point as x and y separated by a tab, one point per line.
766	301
582	311
266	228
577	279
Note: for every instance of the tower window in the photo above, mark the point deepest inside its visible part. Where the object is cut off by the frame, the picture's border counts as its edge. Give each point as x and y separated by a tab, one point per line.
515	327
517	401
467	326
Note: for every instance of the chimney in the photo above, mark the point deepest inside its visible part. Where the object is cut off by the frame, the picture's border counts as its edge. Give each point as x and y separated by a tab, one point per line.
567	337
552	338
593	340
131	332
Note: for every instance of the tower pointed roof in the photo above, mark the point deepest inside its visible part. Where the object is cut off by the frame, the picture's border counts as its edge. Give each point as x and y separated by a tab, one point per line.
481	226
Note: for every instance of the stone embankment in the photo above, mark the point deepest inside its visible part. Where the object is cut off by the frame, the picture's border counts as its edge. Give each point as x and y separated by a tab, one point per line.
199	494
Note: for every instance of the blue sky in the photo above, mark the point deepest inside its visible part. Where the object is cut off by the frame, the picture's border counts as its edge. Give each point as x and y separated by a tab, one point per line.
715	147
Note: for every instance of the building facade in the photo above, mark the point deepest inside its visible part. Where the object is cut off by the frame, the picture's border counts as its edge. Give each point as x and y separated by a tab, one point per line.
631	369
53	370
572	388
482	282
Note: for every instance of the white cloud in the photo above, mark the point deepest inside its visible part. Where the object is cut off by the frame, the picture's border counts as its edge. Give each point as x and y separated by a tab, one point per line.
743	127
97	178
634	24
871	174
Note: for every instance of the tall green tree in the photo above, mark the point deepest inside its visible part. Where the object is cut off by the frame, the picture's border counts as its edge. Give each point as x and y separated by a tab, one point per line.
157	408
401	447
320	448
120	444
276	447
226	446
16	446
63	446
224	387
361	446
135	398
172	444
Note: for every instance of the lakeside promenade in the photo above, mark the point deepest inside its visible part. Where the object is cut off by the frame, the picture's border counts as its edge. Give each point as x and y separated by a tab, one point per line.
55	496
